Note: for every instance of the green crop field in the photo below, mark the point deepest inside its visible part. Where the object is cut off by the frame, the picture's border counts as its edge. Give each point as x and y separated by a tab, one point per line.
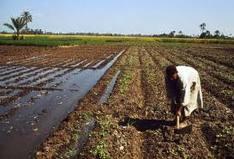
60	40
64	40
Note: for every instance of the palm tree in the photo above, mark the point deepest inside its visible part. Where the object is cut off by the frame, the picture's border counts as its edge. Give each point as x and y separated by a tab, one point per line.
17	25
28	18
203	27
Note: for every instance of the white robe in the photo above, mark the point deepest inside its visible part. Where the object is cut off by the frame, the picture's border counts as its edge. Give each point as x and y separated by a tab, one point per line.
191	87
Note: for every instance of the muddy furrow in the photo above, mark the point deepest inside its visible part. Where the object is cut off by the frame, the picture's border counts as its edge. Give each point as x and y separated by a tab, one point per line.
24	76
52	62
70	64
79	63
47	62
9	69
41	75
13	70
27	77
223	60
220	74
30	62
35	60
50	77
17	74
26	91
4	67
222	68
14	97
46	74
24	61
88	64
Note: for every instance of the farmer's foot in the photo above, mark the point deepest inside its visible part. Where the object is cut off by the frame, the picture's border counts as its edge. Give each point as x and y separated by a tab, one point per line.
183	125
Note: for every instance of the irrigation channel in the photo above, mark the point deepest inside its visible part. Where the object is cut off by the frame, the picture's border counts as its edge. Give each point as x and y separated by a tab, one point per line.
38	106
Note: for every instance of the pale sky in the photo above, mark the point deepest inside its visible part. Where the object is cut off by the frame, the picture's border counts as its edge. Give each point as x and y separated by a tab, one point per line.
123	16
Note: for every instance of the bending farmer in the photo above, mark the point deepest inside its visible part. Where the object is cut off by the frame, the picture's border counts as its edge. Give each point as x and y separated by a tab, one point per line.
184	91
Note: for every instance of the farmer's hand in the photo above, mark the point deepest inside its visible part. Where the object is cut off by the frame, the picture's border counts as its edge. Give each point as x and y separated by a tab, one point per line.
169	102
178	112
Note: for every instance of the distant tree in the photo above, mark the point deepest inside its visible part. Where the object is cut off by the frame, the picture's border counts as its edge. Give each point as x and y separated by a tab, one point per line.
172	33
204	32
28	18
203	27
180	33
217	34
17	25
222	36
208	34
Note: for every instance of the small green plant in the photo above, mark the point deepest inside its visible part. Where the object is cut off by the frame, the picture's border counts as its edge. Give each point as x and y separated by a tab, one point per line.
100	151
87	115
105	125
70	153
124	82
182	152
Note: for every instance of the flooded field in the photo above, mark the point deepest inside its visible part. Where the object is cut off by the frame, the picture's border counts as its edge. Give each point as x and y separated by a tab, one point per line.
39	87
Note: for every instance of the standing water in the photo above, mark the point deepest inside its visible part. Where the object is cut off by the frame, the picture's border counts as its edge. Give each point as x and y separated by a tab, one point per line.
31	118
